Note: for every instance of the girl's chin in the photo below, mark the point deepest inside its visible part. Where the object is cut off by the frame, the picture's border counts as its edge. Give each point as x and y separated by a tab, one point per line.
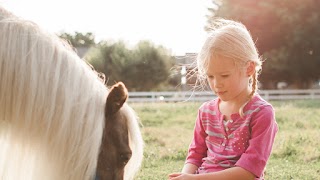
222	98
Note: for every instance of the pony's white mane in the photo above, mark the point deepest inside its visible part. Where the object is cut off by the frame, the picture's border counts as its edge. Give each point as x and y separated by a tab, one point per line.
136	143
51	108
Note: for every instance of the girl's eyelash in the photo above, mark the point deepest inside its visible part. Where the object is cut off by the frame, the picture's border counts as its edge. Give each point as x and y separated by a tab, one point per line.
226	75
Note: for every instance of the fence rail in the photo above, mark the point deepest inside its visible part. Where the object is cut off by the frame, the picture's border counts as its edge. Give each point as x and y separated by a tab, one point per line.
201	96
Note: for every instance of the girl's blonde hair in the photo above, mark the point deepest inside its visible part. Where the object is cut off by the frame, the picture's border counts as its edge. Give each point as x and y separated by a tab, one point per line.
229	39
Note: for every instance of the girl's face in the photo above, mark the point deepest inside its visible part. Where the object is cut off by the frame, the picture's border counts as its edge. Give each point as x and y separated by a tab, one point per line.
226	80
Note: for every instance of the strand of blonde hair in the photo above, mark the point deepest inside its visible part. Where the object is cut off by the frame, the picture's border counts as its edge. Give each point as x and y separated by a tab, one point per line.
254	85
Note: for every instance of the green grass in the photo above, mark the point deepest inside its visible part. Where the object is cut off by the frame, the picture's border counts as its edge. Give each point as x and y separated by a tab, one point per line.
168	127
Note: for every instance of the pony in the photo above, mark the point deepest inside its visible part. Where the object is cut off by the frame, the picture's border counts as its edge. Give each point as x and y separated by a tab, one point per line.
58	119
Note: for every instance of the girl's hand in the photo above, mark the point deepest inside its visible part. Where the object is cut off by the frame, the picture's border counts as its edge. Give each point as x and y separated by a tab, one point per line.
180	176
173	175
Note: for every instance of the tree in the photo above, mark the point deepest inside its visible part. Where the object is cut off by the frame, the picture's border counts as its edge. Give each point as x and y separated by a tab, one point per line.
149	67
142	68
79	39
111	59
303	43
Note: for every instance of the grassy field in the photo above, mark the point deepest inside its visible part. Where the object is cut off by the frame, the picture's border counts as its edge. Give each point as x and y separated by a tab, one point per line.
168	127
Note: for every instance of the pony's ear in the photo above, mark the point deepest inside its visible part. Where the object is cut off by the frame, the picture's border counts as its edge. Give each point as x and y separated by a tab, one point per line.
117	97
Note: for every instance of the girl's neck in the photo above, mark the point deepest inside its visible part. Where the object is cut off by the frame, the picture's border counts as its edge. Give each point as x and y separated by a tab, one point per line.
227	108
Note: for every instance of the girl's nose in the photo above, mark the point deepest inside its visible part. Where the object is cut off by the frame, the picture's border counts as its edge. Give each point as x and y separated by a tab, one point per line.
217	84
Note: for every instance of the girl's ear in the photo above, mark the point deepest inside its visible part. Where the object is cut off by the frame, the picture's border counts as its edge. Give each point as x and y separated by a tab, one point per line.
251	67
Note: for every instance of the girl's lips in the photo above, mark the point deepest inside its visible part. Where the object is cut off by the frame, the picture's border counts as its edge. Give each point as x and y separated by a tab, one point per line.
221	93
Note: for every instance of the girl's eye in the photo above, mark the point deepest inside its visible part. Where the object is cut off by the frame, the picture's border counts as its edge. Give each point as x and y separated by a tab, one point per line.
225	75
210	77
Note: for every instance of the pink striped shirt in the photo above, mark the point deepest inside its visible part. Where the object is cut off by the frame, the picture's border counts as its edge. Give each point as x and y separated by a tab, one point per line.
245	142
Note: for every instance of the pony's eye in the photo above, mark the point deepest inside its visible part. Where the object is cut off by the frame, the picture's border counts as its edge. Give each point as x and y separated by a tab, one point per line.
125	158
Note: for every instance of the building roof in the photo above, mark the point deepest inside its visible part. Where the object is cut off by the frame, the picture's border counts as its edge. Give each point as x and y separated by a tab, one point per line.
188	58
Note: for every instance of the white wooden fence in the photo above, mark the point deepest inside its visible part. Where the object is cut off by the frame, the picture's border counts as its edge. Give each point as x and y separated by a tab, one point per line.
201	96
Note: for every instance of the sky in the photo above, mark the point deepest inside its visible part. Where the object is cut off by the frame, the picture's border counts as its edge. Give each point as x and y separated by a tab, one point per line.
178	25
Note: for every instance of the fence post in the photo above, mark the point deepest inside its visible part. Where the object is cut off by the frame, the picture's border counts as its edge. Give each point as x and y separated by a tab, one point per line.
312	94
266	96
153	97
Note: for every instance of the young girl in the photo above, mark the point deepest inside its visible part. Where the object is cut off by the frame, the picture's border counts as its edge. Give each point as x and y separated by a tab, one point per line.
234	133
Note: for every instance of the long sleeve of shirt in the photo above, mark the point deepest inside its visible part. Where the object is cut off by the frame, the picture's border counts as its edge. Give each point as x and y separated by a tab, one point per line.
198	148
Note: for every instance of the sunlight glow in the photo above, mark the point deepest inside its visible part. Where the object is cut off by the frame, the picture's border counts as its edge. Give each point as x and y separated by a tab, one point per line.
177	25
